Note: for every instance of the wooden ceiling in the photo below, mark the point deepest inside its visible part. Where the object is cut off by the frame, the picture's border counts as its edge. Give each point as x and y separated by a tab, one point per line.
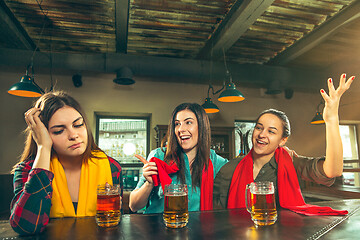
289	33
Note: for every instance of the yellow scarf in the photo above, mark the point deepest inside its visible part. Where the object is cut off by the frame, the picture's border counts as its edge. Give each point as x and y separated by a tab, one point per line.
95	171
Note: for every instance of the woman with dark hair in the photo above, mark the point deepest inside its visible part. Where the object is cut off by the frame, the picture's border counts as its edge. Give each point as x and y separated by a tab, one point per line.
60	167
269	160
188	147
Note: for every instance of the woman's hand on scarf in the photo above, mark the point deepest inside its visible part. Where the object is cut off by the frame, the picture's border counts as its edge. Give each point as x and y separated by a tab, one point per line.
149	168
38	130
332	99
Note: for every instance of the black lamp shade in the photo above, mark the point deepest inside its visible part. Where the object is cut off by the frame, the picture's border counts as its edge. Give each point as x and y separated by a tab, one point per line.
273	87
231	94
318	119
25	88
209	106
124	76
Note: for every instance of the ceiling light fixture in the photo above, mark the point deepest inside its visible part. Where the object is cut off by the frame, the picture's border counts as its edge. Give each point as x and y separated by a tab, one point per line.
27	86
209	106
273	87
318	118
230	94
124	76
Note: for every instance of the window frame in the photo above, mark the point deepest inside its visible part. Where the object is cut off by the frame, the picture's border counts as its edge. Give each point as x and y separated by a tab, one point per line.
252	122
353	169
134	168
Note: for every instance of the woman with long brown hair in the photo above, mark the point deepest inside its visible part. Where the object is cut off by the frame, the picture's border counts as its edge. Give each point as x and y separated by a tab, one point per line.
188	147
60	167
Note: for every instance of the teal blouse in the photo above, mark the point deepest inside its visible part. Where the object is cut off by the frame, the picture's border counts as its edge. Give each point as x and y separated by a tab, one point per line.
156	198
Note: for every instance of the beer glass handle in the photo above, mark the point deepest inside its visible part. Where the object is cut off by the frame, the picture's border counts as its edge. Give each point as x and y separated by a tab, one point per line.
247	198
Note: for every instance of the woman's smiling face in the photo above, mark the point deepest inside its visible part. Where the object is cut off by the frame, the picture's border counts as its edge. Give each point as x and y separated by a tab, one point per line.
187	130
268	135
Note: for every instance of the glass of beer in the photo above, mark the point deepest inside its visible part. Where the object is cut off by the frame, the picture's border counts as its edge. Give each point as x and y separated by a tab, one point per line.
176	213
108	212
260	203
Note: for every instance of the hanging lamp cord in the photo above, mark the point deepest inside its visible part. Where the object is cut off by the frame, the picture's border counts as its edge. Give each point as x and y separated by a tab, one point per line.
31	65
228	75
318	106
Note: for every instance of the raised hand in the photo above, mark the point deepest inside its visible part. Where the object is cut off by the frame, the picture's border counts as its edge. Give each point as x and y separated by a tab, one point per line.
149	168
332	99
333	164
39	132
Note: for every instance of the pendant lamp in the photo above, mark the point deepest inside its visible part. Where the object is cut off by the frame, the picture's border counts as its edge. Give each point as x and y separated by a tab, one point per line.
124	76
318	118
27	86
230	94
209	106
273	87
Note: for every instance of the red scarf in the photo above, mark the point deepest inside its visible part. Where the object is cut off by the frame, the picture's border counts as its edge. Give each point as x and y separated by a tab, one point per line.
290	196
207	180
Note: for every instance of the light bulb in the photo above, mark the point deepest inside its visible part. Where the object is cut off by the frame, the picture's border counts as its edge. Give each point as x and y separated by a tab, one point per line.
129	148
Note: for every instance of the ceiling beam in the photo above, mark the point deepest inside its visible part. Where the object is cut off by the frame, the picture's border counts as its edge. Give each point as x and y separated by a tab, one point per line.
165	69
12	29
121	24
319	34
241	16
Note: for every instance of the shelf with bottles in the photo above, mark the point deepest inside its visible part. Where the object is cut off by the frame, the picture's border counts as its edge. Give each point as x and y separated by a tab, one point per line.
124	153
220	147
122	146
222	141
122	126
121	137
161	131
219	144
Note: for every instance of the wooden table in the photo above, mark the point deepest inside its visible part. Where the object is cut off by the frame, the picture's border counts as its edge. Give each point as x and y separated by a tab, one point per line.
219	224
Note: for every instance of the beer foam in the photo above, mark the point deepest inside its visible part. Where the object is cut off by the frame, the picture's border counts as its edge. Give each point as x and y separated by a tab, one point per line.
176	194
263	191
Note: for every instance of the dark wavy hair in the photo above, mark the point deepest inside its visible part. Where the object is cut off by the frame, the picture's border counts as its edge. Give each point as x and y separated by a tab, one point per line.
282	116
174	150
49	103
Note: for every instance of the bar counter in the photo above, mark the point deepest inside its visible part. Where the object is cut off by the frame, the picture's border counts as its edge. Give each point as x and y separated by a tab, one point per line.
217	224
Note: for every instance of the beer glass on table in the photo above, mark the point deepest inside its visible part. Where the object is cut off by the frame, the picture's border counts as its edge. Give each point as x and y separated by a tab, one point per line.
260	203
176	213
108	212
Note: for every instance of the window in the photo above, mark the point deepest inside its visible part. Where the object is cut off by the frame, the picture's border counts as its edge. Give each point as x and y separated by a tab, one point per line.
120	137
350	154
243	134
348	137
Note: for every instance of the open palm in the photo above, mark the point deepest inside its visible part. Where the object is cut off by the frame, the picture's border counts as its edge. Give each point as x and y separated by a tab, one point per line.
332	99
